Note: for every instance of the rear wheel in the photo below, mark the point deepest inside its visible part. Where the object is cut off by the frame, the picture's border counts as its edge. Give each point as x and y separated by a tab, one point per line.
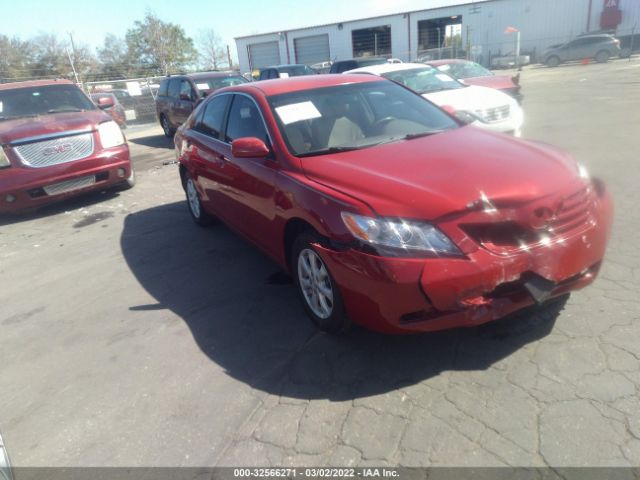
166	126
318	291
602	56
553	61
199	215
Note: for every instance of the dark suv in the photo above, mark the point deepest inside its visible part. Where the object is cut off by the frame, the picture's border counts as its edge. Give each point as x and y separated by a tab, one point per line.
179	94
344	65
599	47
285	71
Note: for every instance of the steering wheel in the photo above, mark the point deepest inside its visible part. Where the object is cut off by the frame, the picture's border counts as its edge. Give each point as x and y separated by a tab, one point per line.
381	122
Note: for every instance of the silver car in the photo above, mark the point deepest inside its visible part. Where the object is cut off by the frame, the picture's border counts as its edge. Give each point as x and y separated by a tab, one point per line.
599	47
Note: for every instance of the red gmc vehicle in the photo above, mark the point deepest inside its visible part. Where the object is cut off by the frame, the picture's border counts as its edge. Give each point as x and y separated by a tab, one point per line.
55	143
386	210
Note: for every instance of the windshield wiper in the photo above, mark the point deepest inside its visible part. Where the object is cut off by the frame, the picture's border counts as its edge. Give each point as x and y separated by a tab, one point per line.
411	136
67	109
325	151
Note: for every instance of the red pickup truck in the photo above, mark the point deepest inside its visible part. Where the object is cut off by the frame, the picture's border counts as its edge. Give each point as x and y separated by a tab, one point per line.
55	143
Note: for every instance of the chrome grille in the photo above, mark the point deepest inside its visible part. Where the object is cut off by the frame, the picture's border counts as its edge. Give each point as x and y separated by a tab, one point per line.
492	115
55	151
69	185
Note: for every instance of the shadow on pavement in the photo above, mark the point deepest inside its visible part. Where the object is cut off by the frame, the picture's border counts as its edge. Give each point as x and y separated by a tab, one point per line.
85	200
154	141
246	317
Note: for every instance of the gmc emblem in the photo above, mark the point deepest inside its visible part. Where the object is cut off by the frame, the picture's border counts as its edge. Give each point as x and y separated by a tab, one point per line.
63	147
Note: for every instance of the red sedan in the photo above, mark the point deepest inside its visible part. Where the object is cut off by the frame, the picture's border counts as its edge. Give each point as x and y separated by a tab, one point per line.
387	211
472	73
55	143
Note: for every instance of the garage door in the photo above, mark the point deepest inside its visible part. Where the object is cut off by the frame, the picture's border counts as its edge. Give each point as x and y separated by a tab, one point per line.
264	54
312	49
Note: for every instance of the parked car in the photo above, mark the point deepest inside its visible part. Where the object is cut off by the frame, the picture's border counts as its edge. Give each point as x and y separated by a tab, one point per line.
471	73
387	211
509	61
285	71
481	106
179	94
56	143
109	103
341	66
322	67
600	47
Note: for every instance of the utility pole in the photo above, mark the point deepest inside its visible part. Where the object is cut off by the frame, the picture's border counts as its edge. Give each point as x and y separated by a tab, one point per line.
229	58
72	59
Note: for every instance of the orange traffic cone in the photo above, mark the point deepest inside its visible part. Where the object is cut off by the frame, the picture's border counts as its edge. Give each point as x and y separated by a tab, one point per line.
585	61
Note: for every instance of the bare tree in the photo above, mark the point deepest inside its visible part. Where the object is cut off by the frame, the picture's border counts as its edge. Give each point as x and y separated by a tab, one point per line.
212	51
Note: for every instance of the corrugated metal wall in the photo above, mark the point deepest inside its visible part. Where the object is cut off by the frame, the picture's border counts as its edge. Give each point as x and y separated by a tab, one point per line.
541	22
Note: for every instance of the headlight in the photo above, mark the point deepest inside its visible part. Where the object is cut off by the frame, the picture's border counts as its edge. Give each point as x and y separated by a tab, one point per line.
110	134
402	236
4	161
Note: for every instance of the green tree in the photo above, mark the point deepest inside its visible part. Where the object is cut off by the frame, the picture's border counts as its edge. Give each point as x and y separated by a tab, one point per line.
160	46
15	59
114	58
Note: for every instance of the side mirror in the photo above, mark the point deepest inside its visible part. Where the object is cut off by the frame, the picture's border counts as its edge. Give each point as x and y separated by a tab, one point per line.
105	102
249	147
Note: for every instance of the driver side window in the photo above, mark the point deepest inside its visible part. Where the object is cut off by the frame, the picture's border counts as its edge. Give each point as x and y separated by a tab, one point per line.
245	120
185	89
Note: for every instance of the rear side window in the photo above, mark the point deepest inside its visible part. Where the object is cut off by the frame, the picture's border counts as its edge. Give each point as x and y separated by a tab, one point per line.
174	87
244	120
211	121
164	87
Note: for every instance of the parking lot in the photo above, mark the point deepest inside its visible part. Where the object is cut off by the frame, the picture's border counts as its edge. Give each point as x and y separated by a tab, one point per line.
132	337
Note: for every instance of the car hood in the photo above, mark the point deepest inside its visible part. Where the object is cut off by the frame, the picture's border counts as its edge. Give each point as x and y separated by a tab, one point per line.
470	98
500	82
429	177
20	128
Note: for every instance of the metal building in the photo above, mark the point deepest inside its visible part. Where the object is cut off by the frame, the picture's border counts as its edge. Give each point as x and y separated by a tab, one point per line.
474	27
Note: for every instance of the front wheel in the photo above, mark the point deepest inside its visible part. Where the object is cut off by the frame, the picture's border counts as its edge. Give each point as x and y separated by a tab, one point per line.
199	215
553	61
316	287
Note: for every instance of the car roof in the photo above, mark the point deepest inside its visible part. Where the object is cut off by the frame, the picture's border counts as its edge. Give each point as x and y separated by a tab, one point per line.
387	67
360	59
286	65
34	83
296	84
201	75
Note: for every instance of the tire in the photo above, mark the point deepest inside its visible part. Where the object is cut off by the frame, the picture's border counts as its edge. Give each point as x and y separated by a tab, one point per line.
553	61
166	126
130	182
602	56
320	296
197	211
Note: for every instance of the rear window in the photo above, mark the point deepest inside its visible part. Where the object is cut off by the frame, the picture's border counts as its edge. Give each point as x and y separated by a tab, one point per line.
49	99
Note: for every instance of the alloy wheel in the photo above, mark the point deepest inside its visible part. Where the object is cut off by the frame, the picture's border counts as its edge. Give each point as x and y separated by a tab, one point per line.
192	197
315	283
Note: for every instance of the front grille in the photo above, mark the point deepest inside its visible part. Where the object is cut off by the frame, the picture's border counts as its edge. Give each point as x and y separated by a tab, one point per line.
46	153
573	214
492	115
69	185
572	217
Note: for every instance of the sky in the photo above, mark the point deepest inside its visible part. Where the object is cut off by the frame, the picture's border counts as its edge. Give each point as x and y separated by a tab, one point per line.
91	21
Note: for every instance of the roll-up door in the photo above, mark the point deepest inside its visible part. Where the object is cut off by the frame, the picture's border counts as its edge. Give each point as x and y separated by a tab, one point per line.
312	49
264	54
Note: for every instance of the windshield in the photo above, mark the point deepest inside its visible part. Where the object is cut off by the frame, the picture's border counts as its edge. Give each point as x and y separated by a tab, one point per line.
353	116
29	102
296	70
465	70
206	85
424	79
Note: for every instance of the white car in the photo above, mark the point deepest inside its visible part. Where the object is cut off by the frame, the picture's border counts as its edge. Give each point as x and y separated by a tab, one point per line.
480	106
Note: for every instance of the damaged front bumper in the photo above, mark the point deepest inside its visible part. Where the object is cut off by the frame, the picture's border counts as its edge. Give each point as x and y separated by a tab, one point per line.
403	295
